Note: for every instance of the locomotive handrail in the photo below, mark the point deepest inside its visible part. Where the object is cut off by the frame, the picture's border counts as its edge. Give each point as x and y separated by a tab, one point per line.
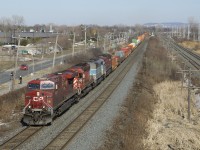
26	106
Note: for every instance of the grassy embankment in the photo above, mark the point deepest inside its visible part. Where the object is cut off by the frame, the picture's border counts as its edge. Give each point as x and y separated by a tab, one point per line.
154	115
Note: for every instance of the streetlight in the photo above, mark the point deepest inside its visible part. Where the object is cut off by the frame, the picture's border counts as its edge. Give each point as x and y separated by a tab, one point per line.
33	65
85	38
54	56
74	37
61	53
56	43
85	27
97	39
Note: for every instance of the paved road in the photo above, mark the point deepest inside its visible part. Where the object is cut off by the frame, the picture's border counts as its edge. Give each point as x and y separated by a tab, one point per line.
5	76
39	69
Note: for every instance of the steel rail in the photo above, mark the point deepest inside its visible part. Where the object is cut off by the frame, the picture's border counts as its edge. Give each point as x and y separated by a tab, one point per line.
20	138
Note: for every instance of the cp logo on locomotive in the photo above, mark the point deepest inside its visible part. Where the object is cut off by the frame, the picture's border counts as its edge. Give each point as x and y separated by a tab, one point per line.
37	99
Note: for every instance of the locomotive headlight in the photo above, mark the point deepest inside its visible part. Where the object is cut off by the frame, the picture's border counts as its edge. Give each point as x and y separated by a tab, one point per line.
29	106
38	93
43	106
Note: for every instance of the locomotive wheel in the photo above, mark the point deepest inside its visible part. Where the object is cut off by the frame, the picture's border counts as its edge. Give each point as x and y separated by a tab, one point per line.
77	99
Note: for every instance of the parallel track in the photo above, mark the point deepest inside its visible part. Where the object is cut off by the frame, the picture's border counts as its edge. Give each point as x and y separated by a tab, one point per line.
192	58
20	138
189	57
68	133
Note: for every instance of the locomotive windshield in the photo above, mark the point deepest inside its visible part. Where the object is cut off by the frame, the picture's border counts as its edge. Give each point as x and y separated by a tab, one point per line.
33	86
44	85
47	85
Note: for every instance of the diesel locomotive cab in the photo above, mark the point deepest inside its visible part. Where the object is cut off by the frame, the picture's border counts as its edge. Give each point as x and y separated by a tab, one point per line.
38	108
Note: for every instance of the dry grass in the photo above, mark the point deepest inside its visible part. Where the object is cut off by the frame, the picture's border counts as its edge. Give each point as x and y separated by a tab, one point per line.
11	103
194	45
169	128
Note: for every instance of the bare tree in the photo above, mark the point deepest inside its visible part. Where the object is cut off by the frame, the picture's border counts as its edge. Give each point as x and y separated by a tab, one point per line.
139	28
5	24
5	27
17	20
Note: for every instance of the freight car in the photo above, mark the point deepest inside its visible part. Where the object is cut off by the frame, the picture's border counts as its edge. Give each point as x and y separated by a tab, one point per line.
120	55
107	58
53	94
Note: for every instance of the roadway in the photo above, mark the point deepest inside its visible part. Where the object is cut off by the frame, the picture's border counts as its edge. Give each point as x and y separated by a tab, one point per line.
5	76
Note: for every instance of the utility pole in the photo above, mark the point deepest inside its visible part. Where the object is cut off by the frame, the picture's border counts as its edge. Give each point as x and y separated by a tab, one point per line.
189	87
189	93
33	65
16	64
104	43
194	36
74	37
54	56
199	33
171	32
61	53
97	39
183	77
85	37
184	31
188	35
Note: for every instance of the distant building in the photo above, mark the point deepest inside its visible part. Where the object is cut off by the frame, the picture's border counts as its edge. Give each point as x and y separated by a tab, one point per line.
32	30
51	28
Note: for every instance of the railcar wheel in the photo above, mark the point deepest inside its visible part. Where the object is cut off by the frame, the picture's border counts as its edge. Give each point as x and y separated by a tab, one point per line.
23	123
77	99
50	123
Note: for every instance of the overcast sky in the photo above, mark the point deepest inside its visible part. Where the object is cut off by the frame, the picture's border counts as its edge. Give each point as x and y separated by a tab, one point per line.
101	12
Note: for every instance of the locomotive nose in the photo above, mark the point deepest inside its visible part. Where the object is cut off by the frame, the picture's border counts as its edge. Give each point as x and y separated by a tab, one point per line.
38	99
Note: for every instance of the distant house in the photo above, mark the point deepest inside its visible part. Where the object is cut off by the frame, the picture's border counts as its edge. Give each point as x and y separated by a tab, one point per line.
9	47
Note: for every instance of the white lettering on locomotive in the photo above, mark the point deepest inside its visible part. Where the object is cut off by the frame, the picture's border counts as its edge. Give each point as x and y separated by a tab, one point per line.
38	99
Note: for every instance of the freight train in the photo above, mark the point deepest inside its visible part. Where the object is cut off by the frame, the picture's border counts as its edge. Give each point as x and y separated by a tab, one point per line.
53	94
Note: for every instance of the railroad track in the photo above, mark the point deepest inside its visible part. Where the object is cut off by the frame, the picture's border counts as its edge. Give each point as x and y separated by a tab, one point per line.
67	134
191	59
16	141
